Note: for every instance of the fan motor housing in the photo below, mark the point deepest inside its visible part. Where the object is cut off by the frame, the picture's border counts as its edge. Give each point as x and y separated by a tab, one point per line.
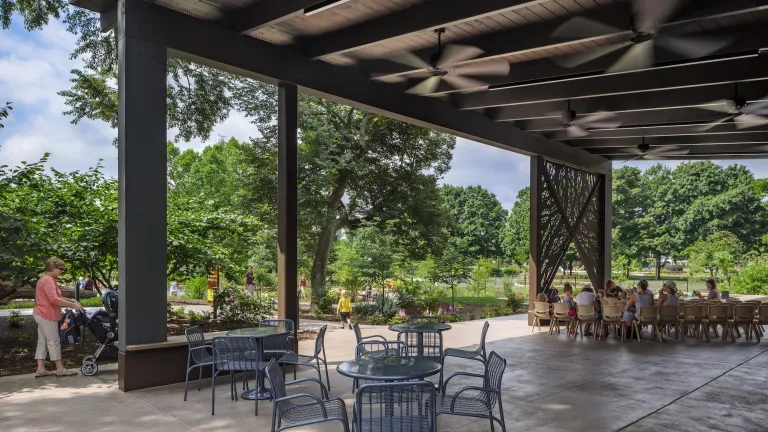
567	117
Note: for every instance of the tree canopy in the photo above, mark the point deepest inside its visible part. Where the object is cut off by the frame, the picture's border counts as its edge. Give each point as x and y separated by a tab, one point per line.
479	218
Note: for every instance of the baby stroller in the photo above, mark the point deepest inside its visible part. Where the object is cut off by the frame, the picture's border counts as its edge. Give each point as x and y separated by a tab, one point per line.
103	326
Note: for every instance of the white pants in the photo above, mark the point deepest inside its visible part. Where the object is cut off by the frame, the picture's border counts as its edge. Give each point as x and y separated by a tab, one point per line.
48	342
250	288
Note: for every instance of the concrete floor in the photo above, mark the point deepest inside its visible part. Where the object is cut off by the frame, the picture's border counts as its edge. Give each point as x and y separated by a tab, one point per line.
552	383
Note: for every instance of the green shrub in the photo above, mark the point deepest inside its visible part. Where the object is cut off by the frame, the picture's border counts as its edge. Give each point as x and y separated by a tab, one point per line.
386	306
236	307
397	319
378	320
196	288
452	317
365	309
15	320
515	299
753	278
199	319
429	300
328	303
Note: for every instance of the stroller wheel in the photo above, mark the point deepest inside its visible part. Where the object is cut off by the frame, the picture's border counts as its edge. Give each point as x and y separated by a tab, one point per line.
89	359
89	368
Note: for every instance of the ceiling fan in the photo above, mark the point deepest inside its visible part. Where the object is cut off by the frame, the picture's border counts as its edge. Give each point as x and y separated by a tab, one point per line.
579	127
744	114
440	67
645	152
647	19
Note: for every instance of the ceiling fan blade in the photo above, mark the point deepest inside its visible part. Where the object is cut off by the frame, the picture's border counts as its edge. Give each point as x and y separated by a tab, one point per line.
600	119
640	156
709	126
492	67
583	28
639	56
722	105
759	107
693	46
409	59
573	60
453	54
667	150
427	86
648	15
576	131
745	121
465	83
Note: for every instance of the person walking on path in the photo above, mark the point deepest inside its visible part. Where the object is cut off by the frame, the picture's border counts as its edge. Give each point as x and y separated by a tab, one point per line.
344	309
249	285
303	284
47	313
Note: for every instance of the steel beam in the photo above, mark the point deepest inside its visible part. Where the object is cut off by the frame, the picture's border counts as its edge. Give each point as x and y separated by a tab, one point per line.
287	207
666	130
422	16
141	181
534	245
752	67
263	13
212	45
539	36
651	100
671	116
701	140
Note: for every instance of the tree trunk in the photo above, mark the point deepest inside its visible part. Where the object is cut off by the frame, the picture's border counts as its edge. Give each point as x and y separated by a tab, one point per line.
658	266
325	240
629	267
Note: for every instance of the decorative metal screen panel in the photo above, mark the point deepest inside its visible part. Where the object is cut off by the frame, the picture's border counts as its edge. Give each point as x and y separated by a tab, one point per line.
569	209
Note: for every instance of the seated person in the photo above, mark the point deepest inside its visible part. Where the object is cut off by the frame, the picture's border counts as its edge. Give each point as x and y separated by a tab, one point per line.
668	294
712	294
612	289
639	299
587	297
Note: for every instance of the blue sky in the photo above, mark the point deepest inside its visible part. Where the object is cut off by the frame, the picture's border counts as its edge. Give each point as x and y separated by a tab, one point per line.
34	66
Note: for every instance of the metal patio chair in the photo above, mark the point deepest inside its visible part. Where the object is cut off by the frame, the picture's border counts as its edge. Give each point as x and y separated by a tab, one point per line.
276	347
476	401
287	407
395	407
359	335
312	361
233	354
200	355
478	354
378	350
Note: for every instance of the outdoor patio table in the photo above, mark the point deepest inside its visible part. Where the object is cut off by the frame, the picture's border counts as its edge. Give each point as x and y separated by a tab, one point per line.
420	329
258	334
389	369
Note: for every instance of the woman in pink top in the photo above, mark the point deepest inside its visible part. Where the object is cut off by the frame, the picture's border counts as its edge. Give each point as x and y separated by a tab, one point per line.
47	313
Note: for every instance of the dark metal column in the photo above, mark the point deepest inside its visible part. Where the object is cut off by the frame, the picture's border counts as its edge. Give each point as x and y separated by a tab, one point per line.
141	181
606	223
534	252
287	212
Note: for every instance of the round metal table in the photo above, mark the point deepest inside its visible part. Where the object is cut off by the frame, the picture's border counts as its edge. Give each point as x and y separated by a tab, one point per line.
258	334
420	329
389	369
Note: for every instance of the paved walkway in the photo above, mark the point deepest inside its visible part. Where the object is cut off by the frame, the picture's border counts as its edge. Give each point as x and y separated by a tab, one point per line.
552	383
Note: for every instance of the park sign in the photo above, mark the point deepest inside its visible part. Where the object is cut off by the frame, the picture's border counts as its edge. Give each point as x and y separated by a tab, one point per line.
213	282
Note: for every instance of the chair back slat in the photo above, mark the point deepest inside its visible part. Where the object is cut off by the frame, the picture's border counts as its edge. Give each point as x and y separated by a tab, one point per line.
234	353
276	346
743	313
320	341
718	313
669	313
380	349
694	313
276	382
649	314
541	309
195	339
481	348
431	344
585	312
612	313
398	406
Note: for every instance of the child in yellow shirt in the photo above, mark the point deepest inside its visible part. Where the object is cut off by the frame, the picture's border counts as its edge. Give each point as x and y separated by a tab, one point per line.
344	309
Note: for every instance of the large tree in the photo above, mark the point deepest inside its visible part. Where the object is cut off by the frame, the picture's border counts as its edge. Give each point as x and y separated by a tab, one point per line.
515	238
478	216
630	205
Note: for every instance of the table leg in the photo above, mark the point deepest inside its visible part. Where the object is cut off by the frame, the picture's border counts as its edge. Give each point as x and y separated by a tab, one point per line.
420	344
260	392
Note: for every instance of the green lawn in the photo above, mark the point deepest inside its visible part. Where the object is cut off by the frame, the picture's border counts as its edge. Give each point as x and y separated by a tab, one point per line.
89	302
475	301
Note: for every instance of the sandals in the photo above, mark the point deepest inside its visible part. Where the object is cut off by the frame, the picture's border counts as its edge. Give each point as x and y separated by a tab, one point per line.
43	374
65	372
